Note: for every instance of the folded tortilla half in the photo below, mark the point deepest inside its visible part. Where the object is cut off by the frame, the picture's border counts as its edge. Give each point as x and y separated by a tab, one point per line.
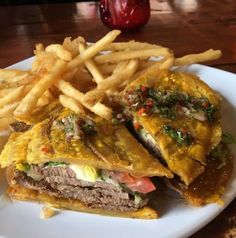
176	116
82	163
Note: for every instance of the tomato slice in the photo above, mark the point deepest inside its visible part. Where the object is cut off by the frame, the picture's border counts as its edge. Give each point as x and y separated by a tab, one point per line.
135	184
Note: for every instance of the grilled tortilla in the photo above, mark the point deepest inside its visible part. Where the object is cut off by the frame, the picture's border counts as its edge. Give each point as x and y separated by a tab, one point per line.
110	147
84	159
177	115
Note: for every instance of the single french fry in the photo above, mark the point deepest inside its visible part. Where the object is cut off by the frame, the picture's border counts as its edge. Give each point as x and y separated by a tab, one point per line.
59	51
93	97
198	58
167	64
91	66
5	91
131	45
12	96
73	45
11	73
45	99
99	108
30	100
134	54
17	81
8	109
47	212
94	49
5	122
72	104
38	48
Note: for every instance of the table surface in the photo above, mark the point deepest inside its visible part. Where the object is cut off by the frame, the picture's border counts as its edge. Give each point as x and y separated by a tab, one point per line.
186	26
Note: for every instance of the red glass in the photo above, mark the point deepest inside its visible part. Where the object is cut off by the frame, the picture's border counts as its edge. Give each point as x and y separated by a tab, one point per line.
124	14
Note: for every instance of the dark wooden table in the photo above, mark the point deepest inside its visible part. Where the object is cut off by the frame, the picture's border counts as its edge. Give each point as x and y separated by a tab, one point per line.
185	26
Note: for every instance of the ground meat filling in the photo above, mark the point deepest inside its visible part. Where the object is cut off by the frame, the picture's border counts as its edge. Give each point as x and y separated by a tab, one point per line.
19	126
61	182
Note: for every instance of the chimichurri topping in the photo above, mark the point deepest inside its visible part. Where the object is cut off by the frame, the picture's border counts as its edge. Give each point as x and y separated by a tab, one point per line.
169	104
181	136
75	127
227	138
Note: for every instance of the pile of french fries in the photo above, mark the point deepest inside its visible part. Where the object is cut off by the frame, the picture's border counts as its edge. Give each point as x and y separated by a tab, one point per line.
83	76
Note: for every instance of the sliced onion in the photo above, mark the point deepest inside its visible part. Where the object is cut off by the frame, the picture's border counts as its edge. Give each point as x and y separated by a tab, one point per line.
200	115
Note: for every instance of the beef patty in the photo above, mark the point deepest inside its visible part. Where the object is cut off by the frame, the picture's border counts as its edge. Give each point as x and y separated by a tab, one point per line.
61	182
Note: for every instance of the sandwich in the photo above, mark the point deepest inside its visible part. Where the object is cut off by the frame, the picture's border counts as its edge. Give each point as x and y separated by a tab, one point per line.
176	117
81	163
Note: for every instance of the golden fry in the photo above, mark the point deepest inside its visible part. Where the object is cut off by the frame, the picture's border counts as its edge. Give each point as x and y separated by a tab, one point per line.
71	103
198	58
11	73
73	45
131	45
59	51
93	97
30	100
8	109
45	99
5	91
167	64
94	49
38	48
134	54
14	95
17	81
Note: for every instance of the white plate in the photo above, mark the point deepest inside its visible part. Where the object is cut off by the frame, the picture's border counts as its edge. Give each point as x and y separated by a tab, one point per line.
21	219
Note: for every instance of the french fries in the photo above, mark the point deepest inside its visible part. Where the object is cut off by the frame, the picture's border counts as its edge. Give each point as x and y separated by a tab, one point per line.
59	51
198	58
134	54
10	73
99	109
31	99
94	49
8	109
73	45
82	76
14	95
131	45
72	104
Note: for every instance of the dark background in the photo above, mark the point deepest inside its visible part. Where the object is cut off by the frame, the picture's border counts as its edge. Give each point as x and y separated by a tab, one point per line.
25	2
